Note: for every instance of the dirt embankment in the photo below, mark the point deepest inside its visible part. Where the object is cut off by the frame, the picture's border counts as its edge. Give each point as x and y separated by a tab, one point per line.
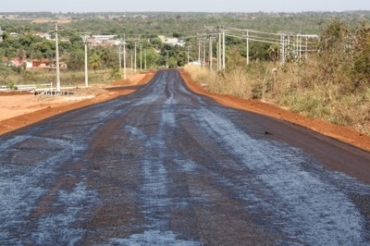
19	109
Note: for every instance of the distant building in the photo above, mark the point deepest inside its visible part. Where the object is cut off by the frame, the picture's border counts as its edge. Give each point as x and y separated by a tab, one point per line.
28	64
40	63
13	35
171	41
17	62
47	64
44	35
1	34
102	40
104	37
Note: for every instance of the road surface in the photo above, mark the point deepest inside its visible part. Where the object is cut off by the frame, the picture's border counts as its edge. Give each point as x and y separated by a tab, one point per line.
164	166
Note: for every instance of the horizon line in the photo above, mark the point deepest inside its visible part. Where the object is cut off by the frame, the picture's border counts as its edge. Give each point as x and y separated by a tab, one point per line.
179	12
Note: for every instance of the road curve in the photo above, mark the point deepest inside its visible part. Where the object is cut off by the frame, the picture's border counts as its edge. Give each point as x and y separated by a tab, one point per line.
165	166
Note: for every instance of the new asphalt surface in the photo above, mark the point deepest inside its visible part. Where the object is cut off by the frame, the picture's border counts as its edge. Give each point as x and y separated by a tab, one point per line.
165	166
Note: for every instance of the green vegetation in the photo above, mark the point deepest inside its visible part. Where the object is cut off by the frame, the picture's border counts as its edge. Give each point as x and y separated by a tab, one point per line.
333	84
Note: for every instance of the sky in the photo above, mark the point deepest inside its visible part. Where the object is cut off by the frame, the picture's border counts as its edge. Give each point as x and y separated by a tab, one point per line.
83	6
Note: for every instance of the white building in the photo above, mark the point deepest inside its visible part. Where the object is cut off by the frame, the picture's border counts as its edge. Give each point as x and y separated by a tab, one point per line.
171	41
101	38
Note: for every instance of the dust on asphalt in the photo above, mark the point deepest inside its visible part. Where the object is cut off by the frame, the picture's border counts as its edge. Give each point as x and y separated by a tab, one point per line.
166	166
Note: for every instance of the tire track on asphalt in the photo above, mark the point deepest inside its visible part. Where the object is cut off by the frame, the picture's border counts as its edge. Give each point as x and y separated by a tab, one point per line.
167	166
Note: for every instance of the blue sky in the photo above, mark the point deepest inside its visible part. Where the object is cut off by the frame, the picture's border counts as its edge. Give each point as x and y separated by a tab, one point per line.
182	5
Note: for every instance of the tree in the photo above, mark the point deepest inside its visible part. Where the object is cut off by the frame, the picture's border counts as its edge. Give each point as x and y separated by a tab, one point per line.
27	40
152	58
10	53
361	73
172	62
21	54
2	53
106	56
76	41
46	47
336	56
156	42
76	60
333	36
5	36
259	51
94	61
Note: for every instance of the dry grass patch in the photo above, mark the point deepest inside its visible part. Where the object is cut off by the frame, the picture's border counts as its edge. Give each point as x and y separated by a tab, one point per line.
300	87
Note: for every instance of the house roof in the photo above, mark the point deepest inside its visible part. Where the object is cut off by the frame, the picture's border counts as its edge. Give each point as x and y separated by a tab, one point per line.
44	60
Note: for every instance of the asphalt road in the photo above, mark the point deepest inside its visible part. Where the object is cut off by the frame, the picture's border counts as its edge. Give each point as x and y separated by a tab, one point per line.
164	166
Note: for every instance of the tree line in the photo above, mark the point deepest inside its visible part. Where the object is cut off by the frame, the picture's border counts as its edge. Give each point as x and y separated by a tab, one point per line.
144	28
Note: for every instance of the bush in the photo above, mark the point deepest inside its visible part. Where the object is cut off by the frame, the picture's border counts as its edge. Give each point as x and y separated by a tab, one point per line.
306	88
12	86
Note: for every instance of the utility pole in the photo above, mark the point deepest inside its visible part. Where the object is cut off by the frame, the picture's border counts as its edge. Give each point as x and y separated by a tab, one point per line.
135	58
221	61
141	57
119	55
223	50
306	55
188	53
282	45
300	46
167	59
247	47
210	53
202	49
219	52
199	59
85	40
297	46
210	30
124	56
204	53
57	58
145	59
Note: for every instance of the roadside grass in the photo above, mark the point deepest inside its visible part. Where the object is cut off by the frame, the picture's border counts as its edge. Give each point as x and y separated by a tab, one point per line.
67	78
298	87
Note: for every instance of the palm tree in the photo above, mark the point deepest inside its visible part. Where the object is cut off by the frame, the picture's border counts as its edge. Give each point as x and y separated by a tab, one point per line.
94	61
106	56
